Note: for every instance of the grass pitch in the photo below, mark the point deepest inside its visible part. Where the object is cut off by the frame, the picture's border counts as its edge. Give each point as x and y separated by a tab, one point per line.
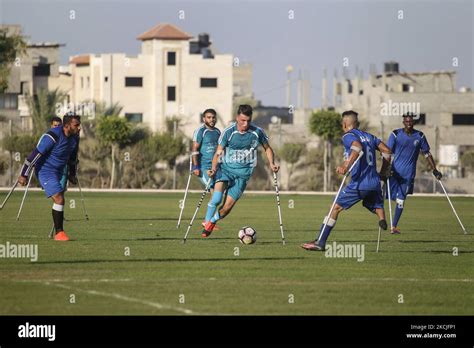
416	272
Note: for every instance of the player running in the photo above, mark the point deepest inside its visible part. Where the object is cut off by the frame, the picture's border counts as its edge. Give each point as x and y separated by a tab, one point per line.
204	146
56	148
238	145
365	181
406	144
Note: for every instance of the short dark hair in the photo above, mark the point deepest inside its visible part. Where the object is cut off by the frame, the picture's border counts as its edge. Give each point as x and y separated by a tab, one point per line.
212	111
56	119
409	114
245	109
69	117
350	113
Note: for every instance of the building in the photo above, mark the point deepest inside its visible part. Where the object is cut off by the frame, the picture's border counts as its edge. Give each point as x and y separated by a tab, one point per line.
446	115
173	76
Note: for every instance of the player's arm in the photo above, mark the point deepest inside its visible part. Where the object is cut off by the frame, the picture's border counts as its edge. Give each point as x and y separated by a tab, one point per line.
72	165
215	161
44	146
425	149
196	168
271	157
386	170
356	151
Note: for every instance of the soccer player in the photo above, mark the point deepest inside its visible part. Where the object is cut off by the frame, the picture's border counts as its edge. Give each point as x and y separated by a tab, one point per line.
56	148
365	181
57	122
406	144
237	150
204	146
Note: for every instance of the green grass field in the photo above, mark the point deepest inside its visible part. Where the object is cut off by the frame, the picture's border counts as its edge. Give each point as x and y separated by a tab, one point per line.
205	274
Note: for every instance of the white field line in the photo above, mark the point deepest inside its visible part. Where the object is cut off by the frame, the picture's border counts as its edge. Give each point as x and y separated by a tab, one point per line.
302	193
85	280
466	280
155	305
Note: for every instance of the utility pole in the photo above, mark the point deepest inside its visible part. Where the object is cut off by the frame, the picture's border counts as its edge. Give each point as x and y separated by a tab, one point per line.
175	125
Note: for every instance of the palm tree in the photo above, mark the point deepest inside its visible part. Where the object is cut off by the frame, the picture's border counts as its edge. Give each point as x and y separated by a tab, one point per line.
43	107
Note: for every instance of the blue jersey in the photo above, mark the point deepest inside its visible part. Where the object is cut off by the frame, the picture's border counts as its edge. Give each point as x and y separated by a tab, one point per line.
364	175
240	156
56	149
406	148
207	140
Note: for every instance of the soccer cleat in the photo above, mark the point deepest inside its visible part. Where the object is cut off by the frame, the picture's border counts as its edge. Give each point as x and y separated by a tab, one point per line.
216	228
61	236
313	246
383	224
208	228
395	230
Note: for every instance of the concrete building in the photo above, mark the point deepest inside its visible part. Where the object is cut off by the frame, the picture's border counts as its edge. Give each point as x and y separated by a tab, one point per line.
446	115
172	76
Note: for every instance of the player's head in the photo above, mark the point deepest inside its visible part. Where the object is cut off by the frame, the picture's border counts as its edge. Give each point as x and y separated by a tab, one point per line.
209	117
72	123
244	117
408	120
56	122
350	120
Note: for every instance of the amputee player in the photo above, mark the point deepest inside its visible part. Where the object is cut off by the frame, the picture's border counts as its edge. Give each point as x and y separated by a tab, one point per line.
56	148
205	140
406	144
237	150
365	181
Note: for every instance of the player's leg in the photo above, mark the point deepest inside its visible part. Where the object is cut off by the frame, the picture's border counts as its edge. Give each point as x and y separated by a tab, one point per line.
373	201
399	190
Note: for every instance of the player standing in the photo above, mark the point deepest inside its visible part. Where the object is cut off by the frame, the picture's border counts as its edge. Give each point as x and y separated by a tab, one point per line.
406	144
365	181
238	145
56	148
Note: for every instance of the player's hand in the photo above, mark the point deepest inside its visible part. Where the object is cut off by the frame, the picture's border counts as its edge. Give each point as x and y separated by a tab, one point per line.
22	180
341	170
437	174
197	172
211	173
275	168
72	179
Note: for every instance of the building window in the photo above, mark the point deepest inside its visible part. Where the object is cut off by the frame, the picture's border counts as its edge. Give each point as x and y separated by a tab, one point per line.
9	101
171	96
406	87
82	82
208	82
349	86
361	92
41	70
88	82
463	119
106	79
134	117
171	58
133	82
421	120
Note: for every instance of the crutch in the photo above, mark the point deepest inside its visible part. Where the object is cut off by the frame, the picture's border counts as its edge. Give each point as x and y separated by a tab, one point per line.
186	191
277	191
9	194
390	208
389	203
338	192
24	197
452	206
51	233
82	199
197	208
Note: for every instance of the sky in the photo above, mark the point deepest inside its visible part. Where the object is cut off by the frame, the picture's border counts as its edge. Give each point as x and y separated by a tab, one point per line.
309	35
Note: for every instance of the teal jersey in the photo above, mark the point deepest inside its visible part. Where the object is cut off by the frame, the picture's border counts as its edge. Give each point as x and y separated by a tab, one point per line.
207	140
240	149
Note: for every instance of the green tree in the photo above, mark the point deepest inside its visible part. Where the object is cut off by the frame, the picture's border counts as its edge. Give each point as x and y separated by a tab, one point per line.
327	125
43	108
11	47
113	131
19	146
291	153
167	149
467	160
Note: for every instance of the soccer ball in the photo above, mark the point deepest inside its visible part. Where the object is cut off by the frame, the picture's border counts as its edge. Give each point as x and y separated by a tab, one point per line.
247	235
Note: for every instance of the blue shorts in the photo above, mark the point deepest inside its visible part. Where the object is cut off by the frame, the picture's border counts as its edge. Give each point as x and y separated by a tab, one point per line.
235	184
400	187
370	199
50	182
204	178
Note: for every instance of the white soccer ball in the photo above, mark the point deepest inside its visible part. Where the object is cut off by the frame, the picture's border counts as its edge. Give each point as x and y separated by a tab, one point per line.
247	235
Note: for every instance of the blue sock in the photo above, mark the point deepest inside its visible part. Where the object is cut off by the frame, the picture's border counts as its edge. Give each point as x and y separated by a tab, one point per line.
216	217
212	205
323	235
398	213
